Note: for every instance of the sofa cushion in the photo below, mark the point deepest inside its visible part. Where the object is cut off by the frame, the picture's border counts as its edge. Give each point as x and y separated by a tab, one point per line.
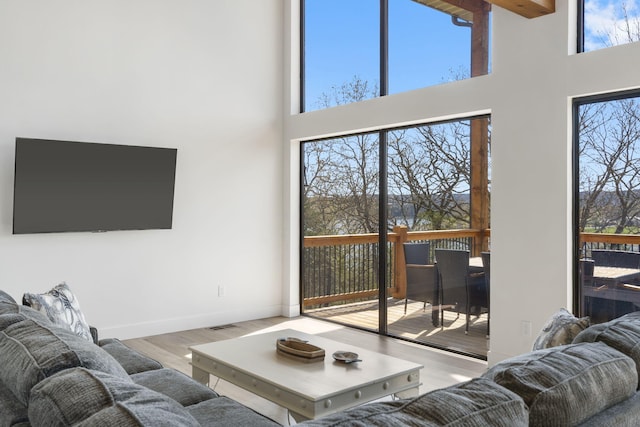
6	297
624	414
12	411
475	403
568	384
224	412
176	385
30	352
62	307
622	333
560	329
132	361
22	311
93	398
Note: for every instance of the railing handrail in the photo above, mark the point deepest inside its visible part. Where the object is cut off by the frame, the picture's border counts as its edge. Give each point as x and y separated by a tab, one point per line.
477	240
344	239
610	238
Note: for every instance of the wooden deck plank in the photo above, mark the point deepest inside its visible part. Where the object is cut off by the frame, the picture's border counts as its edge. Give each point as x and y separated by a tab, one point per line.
415	325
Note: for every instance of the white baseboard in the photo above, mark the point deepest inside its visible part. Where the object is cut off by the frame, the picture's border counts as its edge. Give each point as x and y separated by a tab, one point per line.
163	326
291	310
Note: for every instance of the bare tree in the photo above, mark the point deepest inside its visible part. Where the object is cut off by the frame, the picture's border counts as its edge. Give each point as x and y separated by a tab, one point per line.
622	27
609	166
355	90
429	175
431	165
341	174
626	30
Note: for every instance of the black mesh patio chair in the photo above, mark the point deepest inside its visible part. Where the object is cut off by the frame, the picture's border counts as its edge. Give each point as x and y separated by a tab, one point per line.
459	290
421	276
615	258
486	266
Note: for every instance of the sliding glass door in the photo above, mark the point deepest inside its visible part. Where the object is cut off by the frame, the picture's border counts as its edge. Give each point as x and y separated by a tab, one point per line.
607	201
340	221
417	183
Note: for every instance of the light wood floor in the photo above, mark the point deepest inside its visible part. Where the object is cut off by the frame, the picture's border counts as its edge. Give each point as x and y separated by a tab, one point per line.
442	368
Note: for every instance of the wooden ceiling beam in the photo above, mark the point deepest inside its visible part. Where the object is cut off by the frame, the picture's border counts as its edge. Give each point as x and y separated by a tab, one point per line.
527	8
466	8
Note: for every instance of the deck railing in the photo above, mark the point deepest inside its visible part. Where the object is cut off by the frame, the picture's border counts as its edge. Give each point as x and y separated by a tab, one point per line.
623	242
344	268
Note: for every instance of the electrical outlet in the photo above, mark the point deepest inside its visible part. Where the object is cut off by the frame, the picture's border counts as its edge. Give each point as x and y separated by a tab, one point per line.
220	290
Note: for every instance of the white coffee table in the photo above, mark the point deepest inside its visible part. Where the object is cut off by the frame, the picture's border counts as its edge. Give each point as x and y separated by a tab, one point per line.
307	390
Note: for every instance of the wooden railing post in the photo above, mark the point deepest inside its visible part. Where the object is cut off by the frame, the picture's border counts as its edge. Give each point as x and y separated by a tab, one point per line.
399	272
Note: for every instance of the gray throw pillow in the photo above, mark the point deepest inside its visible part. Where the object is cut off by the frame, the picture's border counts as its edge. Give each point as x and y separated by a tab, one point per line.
566	385
622	333
32	352
62	307
561	329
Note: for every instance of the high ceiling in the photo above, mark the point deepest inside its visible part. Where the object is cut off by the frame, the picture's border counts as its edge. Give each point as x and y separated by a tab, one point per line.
464	8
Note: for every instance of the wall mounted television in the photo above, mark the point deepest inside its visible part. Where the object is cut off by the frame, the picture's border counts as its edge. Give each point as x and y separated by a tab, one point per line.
66	186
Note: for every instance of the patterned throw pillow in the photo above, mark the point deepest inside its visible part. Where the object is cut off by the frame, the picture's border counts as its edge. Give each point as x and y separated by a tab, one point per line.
62	308
561	329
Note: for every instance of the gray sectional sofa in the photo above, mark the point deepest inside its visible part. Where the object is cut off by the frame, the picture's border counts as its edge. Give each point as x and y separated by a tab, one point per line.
50	376
590	381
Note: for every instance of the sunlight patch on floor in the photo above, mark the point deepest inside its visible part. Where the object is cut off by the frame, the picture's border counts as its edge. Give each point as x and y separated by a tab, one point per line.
302	324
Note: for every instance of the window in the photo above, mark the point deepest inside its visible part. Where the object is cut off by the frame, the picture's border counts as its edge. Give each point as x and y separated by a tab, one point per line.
342	51
608	204
360	49
606	23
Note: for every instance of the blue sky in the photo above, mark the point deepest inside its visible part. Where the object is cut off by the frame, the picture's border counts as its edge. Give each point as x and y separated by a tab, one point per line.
342	41
425	48
605	23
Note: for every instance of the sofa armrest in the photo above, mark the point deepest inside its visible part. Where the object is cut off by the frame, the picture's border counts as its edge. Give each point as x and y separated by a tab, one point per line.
94	334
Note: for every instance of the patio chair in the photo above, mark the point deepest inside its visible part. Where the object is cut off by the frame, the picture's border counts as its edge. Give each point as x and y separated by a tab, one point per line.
421	276
486	266
459	290
615	258
585	271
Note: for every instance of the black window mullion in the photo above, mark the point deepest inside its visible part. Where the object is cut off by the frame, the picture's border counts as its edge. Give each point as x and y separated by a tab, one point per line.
384	47
382	172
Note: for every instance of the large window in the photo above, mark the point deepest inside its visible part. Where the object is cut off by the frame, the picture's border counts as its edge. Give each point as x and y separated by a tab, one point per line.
606	23
608	204
416	182
360	49
342	52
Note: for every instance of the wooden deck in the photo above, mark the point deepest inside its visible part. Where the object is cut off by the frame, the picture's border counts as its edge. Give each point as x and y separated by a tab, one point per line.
415	325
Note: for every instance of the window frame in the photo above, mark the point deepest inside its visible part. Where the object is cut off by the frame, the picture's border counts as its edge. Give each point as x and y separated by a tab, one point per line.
576	104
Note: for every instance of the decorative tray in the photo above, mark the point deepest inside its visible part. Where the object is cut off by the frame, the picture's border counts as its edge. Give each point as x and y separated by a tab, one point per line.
299	349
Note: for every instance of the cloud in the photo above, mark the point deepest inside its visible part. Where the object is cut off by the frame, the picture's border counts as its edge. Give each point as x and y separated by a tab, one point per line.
606	25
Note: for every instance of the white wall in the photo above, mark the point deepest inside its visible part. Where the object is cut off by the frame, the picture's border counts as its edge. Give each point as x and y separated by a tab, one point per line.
529	97
201	76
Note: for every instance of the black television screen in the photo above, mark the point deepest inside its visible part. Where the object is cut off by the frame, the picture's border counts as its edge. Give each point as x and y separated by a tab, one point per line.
65	186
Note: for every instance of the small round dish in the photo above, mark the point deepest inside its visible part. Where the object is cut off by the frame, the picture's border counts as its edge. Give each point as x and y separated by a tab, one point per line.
346	356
